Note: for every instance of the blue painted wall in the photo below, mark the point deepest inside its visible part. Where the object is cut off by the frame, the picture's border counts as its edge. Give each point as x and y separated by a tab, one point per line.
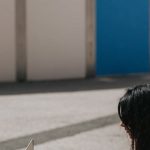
122	37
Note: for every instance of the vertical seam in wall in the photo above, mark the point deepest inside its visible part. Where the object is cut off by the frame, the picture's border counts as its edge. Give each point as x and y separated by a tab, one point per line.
21	57
90	38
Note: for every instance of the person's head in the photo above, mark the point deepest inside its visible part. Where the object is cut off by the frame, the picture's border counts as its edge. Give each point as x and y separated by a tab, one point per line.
134	112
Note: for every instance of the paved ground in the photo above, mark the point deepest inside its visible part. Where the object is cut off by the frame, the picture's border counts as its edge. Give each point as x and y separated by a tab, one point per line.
64	115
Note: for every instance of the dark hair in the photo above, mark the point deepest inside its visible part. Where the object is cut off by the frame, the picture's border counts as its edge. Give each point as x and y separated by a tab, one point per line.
134	112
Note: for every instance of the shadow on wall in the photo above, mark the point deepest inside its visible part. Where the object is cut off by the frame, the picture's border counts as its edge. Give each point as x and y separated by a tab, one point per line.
73	85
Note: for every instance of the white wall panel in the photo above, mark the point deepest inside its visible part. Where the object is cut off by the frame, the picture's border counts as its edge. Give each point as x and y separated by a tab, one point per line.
7	40
56	39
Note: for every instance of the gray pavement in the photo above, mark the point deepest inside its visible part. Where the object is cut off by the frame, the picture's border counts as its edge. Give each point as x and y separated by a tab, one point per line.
64	115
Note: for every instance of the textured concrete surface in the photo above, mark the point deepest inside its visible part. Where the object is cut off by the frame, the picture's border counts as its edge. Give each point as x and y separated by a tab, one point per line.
84	117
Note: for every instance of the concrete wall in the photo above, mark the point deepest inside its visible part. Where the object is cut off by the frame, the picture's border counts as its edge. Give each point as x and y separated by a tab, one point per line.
122	37
7	40
45	39
56	39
